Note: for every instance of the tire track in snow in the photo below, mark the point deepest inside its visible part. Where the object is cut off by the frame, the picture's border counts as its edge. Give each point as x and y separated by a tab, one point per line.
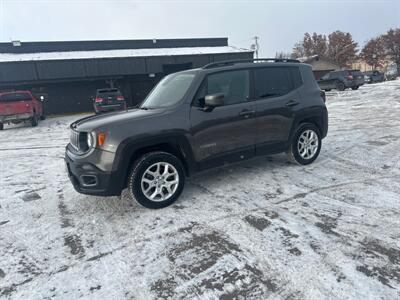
71	240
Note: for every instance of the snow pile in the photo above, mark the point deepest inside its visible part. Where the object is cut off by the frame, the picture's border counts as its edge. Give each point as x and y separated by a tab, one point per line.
119	53
262	228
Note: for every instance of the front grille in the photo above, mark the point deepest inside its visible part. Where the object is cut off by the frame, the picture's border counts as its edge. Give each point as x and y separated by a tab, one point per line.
74	139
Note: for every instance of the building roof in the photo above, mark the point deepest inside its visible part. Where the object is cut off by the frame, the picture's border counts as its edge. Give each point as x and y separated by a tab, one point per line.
118	53
320	63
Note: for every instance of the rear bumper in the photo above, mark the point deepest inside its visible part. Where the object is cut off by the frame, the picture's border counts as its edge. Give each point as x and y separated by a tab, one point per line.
18	117
110	107
90	180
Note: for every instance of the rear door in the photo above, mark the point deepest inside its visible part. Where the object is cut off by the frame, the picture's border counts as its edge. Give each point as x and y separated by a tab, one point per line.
277	99
327	82
226	133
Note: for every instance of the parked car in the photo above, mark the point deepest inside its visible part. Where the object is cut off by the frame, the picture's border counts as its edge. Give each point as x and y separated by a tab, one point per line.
342	80
391	72
374	76
20	106
198	119
108	100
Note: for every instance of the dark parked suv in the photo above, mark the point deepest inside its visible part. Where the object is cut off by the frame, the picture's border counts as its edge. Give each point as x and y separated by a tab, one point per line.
198	119
374	76
342	80
108	100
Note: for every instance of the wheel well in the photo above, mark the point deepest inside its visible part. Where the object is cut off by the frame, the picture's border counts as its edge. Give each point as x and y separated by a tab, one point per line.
317	121
165	147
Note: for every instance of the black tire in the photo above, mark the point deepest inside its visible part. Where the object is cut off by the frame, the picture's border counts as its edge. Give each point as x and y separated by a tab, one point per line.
1	126
354	88
42	117
34	121
340	86
140	167
294	153
327	90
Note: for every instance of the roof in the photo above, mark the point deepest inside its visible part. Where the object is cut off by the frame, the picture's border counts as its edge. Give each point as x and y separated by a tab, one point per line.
62	46
118	53
319	63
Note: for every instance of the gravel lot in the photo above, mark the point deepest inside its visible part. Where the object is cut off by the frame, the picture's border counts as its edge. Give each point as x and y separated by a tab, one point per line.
263	228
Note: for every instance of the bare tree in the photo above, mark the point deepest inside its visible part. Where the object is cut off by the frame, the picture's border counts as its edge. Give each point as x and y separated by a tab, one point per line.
315	44
298	50
373	52
283	55
391	42
342	49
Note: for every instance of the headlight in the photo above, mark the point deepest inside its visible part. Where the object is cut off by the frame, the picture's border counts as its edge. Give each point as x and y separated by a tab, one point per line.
89	140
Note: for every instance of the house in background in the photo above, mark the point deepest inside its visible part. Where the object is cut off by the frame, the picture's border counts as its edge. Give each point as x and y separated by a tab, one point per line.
320	65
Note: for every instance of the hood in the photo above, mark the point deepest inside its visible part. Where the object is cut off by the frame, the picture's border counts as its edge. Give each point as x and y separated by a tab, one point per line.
109	119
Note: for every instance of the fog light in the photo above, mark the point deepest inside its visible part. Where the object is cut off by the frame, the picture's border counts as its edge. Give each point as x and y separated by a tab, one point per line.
89	180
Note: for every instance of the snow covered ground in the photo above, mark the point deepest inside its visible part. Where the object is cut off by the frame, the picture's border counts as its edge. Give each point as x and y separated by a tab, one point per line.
260	229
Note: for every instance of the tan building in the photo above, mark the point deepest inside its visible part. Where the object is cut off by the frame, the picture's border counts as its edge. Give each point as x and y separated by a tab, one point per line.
363	66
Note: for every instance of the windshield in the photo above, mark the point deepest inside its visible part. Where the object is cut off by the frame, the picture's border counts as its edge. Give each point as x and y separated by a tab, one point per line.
169	91
15	97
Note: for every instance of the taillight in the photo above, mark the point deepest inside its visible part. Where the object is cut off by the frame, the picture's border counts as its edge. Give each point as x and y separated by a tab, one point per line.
98	100
323	96
120	98
350	77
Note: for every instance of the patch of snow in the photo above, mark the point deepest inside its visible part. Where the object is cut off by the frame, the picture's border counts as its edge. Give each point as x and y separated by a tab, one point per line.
262	228
118	53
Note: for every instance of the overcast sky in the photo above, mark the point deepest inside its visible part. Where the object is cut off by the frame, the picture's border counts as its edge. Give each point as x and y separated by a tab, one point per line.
279	24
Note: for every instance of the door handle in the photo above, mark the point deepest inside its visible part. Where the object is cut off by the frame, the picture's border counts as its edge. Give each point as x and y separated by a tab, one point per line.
292	103
246	113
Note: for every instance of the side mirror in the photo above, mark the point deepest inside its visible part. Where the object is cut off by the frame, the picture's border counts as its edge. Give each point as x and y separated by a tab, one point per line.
214	100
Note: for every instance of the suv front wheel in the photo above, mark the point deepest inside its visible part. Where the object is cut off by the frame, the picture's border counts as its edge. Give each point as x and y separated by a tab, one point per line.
156	179
306	144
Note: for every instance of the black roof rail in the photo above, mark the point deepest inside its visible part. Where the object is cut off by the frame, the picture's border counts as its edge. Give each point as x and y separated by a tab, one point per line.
232	62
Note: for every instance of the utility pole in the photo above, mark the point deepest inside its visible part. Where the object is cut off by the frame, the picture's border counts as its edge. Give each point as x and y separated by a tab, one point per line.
255	46
2	22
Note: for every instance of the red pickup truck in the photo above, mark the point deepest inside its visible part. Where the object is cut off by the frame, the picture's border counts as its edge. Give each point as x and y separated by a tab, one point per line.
19	106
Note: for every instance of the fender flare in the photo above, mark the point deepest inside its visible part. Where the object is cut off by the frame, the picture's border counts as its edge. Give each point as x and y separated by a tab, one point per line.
125	154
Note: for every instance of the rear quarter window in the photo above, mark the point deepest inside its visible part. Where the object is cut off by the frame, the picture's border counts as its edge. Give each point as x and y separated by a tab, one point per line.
15	97
276	81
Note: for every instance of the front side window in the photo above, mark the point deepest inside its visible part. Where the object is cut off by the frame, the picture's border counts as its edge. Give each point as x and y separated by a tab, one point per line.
273	82
169	91
235	85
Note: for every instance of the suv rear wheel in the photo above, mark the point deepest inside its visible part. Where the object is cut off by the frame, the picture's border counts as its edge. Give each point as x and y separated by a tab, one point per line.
340	86
306	144
156	179
1	126
354	88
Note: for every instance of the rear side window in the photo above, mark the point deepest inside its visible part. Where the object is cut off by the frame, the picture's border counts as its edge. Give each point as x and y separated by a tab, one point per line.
108	92
276	81
15	97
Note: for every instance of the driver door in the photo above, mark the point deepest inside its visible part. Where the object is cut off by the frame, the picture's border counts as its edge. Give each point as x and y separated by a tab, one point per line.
225	133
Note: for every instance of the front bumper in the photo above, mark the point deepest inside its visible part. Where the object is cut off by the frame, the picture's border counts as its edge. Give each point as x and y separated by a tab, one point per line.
90	180
18	117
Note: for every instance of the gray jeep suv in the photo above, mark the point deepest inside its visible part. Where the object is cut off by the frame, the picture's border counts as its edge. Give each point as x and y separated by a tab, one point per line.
197	119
